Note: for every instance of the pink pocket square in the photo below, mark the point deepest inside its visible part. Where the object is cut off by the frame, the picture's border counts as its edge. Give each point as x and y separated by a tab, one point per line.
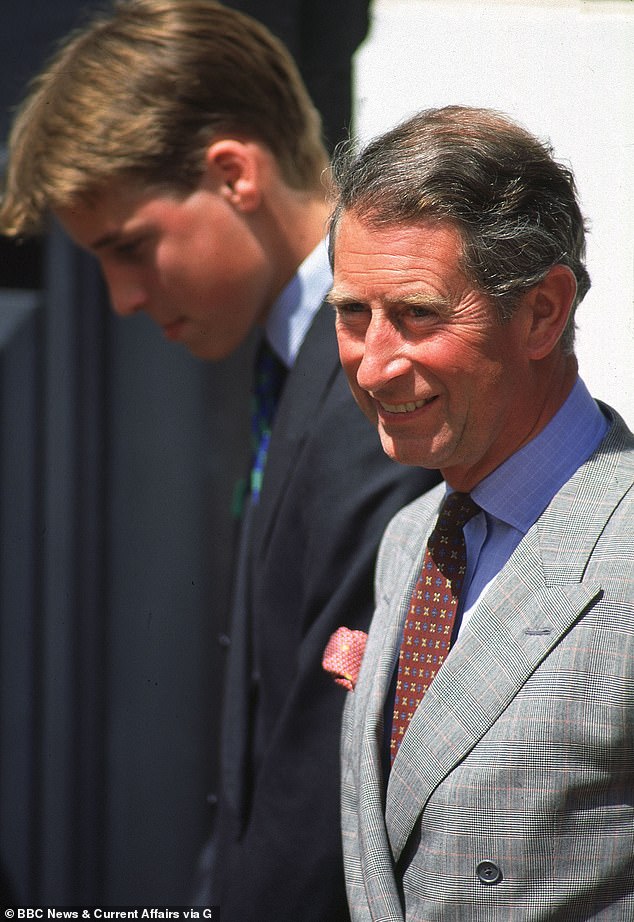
343	655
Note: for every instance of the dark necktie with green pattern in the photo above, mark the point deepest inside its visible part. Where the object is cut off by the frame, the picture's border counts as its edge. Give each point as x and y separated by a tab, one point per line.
270	374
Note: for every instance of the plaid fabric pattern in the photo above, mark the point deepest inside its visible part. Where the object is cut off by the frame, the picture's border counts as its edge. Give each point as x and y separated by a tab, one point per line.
511	794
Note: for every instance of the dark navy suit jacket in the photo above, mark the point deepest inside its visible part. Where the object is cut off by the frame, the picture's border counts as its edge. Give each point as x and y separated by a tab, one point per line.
305	567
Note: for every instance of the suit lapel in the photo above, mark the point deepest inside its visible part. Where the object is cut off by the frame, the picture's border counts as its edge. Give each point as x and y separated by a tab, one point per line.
534	601
315	367
513	630
308	380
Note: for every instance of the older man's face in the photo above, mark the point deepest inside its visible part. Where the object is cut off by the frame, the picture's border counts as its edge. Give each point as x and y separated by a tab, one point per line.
446	383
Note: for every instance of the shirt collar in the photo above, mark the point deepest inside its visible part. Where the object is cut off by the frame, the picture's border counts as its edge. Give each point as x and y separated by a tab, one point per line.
294	309
520	489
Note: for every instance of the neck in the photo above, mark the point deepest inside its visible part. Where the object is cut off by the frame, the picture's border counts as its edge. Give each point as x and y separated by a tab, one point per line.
298	230
554	379
292	223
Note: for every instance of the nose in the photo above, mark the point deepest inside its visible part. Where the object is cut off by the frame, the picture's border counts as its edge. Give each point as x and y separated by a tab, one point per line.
384	354
126	301
127	293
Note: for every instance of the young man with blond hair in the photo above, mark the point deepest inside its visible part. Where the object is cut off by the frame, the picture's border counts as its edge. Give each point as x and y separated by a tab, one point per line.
175	141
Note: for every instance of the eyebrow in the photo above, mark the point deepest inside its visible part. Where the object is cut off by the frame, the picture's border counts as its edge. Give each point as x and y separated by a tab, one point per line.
107	240
335	297
339	297
120	237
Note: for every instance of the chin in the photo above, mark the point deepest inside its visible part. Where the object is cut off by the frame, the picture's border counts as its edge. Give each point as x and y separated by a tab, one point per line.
403	454
415	452
208	351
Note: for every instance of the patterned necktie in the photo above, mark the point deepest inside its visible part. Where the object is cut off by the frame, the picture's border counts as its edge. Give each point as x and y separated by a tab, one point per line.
270	374
432	612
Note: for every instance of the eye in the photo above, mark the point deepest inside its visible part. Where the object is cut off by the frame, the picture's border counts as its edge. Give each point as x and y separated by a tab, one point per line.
126	250
129	250
351	314
352	307
421	312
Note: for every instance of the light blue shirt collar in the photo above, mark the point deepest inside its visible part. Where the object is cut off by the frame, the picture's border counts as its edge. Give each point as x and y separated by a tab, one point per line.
515	494
520	489
294	309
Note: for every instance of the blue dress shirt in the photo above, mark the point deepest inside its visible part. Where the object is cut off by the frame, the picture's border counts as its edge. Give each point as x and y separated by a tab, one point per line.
514	495
294	309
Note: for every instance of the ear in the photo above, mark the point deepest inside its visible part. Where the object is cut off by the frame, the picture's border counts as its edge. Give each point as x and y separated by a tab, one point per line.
234	169
550	303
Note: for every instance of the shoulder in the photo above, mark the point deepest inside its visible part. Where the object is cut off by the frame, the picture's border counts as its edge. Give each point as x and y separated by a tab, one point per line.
610	470
416	516
343	446
348	465
406	535
586	532
619	440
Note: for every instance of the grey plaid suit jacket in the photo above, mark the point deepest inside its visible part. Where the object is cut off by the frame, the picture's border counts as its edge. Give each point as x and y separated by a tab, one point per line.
512	795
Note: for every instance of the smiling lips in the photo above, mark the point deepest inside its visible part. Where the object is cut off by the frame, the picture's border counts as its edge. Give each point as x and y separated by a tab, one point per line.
405	407
172	330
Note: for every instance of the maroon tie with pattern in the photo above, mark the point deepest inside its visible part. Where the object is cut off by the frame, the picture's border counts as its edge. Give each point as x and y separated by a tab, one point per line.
432	611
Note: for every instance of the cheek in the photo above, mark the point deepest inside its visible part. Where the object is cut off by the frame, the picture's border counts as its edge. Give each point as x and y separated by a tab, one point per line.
350	351
350	356
183	269
467	368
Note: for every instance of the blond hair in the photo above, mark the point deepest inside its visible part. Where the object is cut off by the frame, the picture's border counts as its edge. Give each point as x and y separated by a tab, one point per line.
139	93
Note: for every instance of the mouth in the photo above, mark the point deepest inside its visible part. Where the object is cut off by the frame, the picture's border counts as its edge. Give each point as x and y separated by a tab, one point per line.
405	407
172	331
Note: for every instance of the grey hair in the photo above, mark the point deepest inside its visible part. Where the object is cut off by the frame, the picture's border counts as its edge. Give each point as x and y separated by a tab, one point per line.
515	206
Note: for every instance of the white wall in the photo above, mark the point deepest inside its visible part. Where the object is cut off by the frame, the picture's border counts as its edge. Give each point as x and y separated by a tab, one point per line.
565	70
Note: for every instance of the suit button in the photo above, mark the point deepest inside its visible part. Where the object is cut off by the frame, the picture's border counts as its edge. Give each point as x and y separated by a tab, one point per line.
488	873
